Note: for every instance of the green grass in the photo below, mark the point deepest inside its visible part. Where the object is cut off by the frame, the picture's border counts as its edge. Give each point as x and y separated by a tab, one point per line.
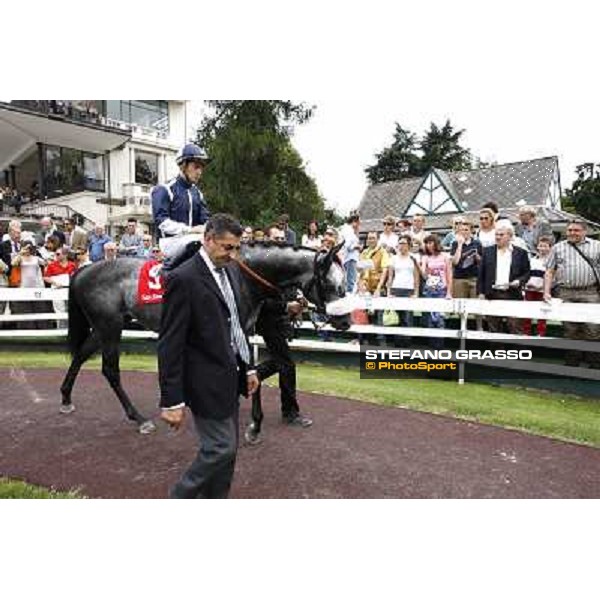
12	489
542	413
553	415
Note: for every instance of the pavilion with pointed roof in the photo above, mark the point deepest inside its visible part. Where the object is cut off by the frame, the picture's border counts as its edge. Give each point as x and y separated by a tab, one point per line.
442	195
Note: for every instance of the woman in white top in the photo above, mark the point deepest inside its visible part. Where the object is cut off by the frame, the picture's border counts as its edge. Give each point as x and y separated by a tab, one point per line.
30	264
403	277
388	239
487	227
312	239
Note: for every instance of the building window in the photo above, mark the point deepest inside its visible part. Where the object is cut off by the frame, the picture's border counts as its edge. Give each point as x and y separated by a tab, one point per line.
67	170
146	168
52	171
93	172
71	164
149	114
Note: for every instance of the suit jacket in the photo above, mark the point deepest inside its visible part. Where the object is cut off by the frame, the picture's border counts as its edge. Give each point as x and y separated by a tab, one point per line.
5	252
6	249
274	320
196	363
519	269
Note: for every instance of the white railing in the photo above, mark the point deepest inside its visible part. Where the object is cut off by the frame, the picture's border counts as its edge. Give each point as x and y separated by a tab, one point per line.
556	311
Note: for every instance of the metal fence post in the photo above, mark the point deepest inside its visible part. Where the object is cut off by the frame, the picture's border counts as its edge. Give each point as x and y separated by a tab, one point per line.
463	339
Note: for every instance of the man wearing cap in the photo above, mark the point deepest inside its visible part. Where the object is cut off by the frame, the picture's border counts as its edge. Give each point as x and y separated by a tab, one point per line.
178	206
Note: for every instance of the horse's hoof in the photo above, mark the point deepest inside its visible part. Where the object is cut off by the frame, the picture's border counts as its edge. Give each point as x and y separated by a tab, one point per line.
66	409
252	436
147	427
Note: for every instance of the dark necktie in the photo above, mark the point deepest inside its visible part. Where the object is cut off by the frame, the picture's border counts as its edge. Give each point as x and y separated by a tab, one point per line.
237	335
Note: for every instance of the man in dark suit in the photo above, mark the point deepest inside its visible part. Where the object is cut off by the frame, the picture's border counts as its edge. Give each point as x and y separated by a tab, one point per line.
503	273
203	358
275	327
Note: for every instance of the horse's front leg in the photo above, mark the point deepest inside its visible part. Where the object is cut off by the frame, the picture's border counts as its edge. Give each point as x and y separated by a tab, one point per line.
111	370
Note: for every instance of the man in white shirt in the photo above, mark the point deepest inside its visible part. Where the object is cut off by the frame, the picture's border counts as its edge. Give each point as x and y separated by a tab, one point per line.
503	272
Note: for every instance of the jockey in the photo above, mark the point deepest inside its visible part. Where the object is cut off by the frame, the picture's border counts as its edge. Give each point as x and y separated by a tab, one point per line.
178	207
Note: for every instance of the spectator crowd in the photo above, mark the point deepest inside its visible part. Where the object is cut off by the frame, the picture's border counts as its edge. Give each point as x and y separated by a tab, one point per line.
49	257
491	259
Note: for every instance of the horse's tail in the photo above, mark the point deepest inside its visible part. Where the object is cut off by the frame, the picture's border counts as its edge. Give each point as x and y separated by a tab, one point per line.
79	325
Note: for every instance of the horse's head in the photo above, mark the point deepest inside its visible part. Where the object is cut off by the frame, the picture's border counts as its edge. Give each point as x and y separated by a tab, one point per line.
327	285
276	269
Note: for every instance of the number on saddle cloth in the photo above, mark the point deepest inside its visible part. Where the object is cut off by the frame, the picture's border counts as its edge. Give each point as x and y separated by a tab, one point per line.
150	284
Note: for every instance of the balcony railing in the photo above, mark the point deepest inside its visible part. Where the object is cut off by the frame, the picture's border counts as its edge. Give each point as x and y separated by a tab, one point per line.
137	199
90	111
78	110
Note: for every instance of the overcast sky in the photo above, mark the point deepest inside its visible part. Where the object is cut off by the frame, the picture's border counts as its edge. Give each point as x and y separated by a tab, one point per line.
344	135
500	125
519	76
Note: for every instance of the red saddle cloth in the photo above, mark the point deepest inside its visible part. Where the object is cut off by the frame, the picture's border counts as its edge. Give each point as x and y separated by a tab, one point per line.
150	283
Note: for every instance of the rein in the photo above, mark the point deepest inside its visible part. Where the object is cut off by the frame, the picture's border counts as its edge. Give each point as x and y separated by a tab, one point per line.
315	281
260	280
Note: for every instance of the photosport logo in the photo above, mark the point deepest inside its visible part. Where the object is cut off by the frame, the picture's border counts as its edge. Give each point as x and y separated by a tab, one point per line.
411	363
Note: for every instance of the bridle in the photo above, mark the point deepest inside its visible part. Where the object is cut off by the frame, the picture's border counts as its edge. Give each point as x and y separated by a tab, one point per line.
316	281
271	287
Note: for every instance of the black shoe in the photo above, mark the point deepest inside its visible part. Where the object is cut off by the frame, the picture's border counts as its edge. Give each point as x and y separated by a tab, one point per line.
297	420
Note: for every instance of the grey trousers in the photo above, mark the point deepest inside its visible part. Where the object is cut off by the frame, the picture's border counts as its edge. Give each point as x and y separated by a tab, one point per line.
211	472
581	331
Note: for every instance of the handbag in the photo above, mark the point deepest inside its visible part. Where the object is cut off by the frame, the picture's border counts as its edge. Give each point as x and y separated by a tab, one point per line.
14	277
359	317
390	318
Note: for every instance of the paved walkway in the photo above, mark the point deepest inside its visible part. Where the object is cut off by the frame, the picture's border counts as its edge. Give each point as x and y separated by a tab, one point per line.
354	450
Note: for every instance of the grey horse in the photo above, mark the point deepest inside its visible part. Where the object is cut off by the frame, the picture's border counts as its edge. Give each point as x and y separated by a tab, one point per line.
103	296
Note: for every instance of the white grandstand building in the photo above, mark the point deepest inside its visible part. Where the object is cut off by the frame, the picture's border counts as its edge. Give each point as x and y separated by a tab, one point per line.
95	159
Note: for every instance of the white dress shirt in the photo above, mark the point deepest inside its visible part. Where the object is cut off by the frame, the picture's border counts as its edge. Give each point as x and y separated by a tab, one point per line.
503	262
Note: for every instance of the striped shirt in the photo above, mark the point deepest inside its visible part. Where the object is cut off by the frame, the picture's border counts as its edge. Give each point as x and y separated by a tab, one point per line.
572	271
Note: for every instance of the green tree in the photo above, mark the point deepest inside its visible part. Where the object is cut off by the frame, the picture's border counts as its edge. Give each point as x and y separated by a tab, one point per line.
441	148
397	161
584	196
256	173
408	156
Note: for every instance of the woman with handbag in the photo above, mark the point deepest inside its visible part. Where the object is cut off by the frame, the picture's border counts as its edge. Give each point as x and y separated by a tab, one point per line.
436	270
403	278
29	265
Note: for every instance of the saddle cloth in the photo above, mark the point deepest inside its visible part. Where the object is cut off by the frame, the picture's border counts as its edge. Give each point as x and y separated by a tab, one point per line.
150	283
